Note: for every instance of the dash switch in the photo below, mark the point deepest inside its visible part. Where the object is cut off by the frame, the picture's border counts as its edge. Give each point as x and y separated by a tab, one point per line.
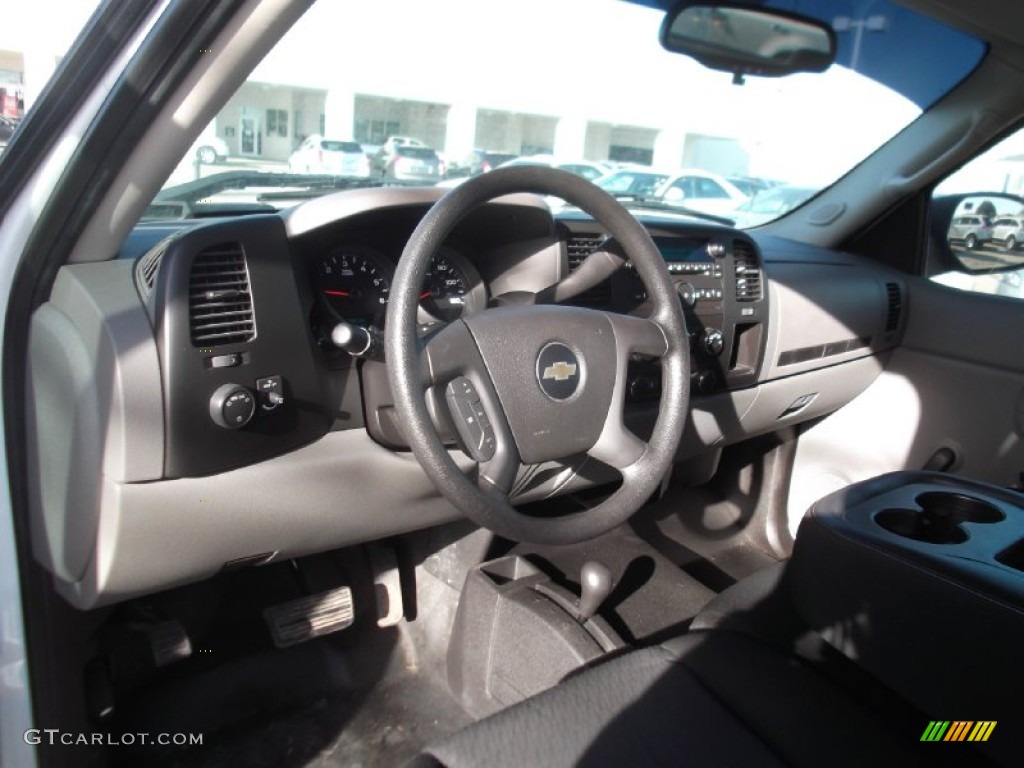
270	390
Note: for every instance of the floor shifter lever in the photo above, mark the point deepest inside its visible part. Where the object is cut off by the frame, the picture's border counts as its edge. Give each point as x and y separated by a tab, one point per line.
595	586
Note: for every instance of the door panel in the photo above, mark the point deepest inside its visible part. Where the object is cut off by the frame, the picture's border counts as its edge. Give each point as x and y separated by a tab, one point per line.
956	382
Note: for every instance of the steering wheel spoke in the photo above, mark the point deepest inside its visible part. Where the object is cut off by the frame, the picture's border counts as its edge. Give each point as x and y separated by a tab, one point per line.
617	446
637	335
464	402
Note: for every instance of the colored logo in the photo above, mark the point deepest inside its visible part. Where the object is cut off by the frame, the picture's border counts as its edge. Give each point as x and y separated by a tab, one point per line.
958	730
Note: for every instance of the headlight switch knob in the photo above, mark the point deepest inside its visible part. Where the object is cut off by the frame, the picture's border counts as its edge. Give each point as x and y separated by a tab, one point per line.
232	406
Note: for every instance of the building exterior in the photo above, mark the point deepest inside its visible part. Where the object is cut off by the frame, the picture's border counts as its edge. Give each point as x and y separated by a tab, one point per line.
269	121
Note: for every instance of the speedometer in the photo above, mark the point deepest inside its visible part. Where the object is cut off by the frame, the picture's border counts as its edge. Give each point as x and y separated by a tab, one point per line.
451	288
355	282
446	288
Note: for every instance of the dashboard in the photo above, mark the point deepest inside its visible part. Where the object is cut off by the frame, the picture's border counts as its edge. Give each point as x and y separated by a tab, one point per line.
225	427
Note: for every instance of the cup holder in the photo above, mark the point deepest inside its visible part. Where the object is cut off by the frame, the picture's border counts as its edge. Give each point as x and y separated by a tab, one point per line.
939	519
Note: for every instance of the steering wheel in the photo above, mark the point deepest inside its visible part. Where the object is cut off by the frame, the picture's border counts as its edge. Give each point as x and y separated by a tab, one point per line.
529	384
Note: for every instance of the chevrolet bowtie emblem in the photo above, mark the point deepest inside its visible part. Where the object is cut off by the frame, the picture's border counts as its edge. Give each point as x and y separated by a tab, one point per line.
560	371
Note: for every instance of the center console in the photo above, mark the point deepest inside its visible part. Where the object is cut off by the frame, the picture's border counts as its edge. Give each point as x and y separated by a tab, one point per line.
919	578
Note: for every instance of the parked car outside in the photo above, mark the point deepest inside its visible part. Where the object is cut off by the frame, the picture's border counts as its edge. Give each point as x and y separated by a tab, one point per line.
410	163
210	149
479	161
750	185
632	181
385	153
401	141
971	231
588	169
769	204
330	156
701	191
1008	231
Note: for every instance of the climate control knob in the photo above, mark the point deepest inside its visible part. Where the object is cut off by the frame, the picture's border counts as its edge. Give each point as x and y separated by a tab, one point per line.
232	406
712	342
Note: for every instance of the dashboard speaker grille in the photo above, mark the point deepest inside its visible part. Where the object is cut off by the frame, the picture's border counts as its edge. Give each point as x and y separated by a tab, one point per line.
219	298
578	247
895	308
748	272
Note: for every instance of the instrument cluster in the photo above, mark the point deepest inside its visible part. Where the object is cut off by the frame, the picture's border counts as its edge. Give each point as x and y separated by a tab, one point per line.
353	285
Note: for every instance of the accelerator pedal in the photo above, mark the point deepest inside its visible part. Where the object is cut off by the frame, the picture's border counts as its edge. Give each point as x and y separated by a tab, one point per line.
308	617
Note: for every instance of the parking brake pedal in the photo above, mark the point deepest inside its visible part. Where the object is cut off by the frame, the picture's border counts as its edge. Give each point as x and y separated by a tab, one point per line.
169	643
387	585
308	617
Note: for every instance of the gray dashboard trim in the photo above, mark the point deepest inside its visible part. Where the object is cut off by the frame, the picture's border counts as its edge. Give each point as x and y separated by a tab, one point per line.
101	301
328	209
341	490
94	407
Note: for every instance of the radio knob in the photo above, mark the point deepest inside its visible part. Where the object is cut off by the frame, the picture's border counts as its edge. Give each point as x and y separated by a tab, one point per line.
232	406
712	342
687	293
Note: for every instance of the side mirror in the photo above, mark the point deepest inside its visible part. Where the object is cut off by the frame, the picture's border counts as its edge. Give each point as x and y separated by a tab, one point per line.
746	40
979	233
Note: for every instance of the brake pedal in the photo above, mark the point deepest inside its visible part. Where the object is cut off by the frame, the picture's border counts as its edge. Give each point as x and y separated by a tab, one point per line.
308	617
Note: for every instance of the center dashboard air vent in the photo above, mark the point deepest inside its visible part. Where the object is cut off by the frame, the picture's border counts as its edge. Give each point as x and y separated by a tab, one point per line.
747	271
219	298
578	246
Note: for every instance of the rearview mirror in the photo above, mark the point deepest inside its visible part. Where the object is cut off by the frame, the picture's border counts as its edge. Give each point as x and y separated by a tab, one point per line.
746	40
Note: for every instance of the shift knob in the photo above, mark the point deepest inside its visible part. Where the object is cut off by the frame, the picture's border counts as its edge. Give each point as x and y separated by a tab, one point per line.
595	586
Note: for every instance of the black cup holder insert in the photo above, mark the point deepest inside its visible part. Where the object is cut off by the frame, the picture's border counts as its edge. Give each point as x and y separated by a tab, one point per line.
940	517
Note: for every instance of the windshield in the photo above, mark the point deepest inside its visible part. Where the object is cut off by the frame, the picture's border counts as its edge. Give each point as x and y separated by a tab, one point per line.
487	97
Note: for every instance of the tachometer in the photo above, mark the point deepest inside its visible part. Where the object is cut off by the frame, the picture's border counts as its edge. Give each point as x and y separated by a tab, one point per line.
354	282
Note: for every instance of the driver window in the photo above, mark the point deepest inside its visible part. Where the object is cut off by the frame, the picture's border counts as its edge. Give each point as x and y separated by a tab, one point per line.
980	209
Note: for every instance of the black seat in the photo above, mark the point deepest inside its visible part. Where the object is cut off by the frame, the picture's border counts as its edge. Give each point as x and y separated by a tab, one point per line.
747	688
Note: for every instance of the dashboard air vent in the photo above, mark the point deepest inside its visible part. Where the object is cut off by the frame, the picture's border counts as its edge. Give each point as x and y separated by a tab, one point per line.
219	298
578	246
895	308
748	273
